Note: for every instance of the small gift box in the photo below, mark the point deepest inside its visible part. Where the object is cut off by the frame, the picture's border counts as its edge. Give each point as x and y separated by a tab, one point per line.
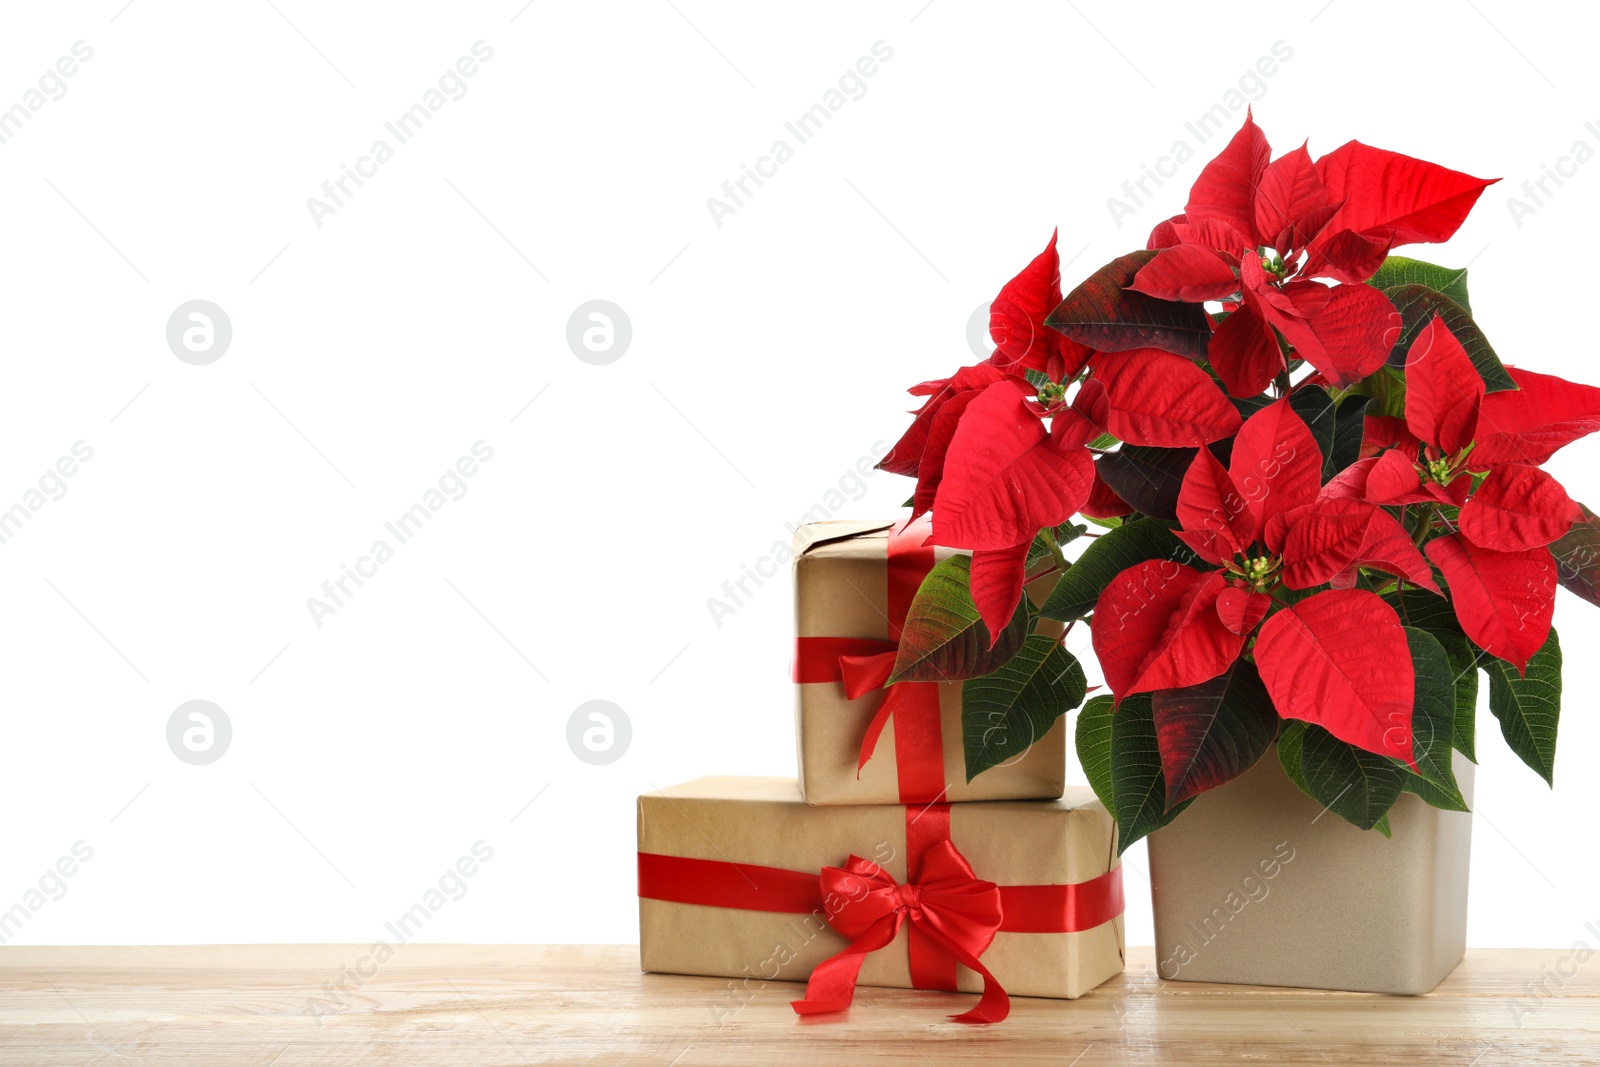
853	585
740	878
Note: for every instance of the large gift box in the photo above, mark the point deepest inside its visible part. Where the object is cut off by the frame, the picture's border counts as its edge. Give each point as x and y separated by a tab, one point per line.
740	878
853	585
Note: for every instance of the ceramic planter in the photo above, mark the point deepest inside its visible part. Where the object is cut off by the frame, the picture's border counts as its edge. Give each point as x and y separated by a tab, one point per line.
1256	884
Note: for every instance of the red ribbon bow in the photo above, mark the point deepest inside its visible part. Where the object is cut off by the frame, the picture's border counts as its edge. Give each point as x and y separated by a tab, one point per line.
953	915
949	905
864	665
867	673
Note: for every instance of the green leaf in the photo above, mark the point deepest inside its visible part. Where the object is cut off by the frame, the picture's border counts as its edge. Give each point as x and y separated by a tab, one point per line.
1374	581
1247	405
1358	785
1578	557
944	639
1433	713
1424	610
1418	304
1093	740
1316	410
1433	795
1119	755
1003	713
1064	534
1146	477
1291	750
1284	595
1433	707
1349	424
1464	663
1386	387
1529	707
1106	557
1382	826
1138	784
1212	732
1398	271
1106	315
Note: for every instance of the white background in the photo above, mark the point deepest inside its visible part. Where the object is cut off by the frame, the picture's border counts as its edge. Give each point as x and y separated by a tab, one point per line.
768	356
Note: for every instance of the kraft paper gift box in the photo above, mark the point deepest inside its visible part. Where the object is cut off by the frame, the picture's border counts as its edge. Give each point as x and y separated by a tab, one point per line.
717	840
853	582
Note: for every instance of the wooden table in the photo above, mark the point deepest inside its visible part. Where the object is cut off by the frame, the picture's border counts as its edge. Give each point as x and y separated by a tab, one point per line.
464	1005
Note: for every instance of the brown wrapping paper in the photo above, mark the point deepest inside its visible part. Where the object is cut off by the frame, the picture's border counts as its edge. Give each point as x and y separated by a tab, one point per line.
840	590
765	821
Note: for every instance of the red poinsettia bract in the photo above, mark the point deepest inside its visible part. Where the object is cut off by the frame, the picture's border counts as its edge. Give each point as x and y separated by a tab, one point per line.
1461	447
1265	528
997	458
1016	322
1259	233
1317	530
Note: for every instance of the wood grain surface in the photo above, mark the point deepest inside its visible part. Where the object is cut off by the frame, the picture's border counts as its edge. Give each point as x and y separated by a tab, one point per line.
470	1005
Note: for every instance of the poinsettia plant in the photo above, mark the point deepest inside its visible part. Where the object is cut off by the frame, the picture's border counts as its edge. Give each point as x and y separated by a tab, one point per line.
1311	492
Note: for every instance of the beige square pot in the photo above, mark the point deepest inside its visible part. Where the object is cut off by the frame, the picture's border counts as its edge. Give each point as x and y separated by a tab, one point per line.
1256	884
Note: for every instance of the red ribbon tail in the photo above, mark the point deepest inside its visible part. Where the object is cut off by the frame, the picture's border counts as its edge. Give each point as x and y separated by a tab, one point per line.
832	985
875	727
863	674
994	1005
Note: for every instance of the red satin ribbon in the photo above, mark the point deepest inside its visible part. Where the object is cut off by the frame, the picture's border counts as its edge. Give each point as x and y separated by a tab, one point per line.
1028	909
948	904
926	828
863	665
948	909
